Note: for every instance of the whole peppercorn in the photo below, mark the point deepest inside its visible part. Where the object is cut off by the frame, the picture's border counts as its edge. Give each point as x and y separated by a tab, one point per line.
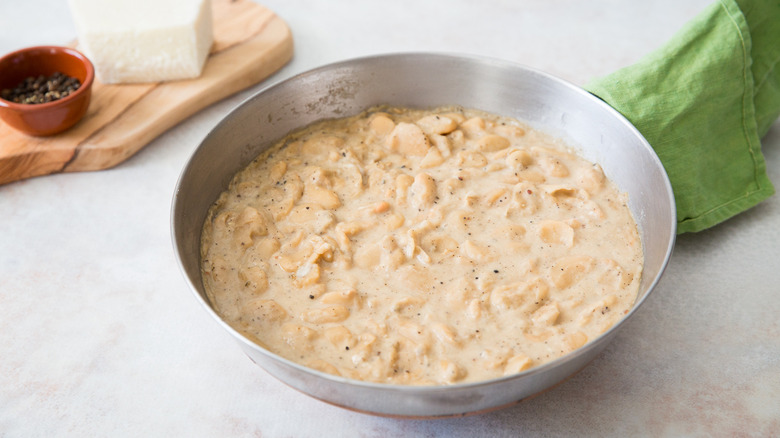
41	89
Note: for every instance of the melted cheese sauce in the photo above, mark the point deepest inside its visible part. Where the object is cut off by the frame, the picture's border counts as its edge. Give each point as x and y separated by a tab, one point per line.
421	247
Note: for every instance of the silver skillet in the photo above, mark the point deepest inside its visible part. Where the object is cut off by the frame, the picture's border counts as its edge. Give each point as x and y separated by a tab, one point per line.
425	80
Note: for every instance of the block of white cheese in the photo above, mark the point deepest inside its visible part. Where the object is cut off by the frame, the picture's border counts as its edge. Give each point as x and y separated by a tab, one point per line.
131	41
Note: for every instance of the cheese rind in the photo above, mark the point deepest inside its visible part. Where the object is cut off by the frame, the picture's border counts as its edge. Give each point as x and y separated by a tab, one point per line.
136	41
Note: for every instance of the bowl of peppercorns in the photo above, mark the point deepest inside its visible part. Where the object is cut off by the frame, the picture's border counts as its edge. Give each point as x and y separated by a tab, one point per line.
44	90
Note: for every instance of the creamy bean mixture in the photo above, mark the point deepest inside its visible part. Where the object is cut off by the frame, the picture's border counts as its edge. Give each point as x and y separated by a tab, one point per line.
421	247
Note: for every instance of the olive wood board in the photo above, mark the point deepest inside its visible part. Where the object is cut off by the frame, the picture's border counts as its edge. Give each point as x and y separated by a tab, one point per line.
250	43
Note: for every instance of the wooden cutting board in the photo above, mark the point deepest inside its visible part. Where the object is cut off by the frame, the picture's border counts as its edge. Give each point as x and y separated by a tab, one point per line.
250	43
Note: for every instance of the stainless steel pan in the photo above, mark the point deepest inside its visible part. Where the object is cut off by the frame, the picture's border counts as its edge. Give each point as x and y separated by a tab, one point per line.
427	80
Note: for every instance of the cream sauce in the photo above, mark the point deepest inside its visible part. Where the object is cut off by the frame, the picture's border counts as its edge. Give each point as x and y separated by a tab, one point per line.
421	247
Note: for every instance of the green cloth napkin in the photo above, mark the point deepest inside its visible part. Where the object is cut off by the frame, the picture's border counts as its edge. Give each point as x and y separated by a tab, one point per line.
703	101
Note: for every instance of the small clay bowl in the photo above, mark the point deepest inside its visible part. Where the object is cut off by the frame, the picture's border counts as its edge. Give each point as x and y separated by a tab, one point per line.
52	117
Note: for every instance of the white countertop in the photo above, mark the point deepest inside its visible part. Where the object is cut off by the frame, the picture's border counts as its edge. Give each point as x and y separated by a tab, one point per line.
100	335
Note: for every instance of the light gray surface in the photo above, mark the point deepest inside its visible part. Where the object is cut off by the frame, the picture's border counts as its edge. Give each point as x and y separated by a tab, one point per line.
99	335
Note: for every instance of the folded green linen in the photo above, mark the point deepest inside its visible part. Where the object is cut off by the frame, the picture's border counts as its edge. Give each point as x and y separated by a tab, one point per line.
703	101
